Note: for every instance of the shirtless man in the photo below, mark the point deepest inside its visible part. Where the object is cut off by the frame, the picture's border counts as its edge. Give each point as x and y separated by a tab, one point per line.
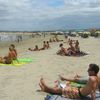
76	93
80	79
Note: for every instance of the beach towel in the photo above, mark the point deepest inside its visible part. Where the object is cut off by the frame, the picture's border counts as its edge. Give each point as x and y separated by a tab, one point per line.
19	62
59	97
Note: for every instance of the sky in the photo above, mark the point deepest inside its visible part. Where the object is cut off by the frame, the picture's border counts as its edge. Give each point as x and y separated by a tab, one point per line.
46	15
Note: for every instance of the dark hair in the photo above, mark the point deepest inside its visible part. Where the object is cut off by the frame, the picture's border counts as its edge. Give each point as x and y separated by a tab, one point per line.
94	67
12	45
36	46
60	45
43	41
10	49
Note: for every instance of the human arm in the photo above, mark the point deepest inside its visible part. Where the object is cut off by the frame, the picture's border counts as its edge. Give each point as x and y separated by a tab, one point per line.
68	79
93	85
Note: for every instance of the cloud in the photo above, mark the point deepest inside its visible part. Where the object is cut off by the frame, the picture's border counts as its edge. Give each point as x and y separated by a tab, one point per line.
21	12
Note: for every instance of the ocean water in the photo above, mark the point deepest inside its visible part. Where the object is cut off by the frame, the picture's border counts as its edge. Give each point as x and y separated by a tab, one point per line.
14	37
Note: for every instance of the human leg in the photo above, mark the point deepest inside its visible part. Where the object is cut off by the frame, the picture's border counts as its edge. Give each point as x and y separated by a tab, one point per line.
48	89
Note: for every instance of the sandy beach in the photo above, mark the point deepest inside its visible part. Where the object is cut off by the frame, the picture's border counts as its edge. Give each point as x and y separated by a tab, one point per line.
21	83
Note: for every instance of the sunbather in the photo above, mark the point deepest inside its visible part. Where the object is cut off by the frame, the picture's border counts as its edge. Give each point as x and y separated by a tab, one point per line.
76	93
77	48
34	49
12	54
80	79
44	46
47	45
12	46
71	49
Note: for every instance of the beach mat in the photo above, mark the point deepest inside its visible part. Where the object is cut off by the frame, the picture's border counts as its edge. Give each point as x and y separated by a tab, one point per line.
25	60
19	62
58	97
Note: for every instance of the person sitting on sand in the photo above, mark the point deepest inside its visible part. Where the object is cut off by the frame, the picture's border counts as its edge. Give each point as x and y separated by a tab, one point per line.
44	46
53	39
35	49
47	45
71	49
77	48
62	51
12	54
80	79
5	60
76	93
12	46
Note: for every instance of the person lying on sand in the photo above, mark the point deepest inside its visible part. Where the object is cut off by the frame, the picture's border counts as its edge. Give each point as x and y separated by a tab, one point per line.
34	49
76	93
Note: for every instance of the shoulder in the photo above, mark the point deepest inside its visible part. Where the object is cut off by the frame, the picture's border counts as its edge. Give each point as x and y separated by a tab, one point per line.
92	78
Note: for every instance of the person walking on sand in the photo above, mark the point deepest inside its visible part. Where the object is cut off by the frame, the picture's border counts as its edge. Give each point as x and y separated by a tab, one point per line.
76	93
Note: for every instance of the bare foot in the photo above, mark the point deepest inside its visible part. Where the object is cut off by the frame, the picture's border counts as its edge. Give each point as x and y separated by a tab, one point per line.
42	82
44	86
41	86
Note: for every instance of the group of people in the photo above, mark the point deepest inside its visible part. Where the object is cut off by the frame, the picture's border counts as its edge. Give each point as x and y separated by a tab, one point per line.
73	48
92	83
12	55
55	39
46	45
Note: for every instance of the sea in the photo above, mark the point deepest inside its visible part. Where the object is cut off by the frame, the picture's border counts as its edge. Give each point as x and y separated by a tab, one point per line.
5	37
